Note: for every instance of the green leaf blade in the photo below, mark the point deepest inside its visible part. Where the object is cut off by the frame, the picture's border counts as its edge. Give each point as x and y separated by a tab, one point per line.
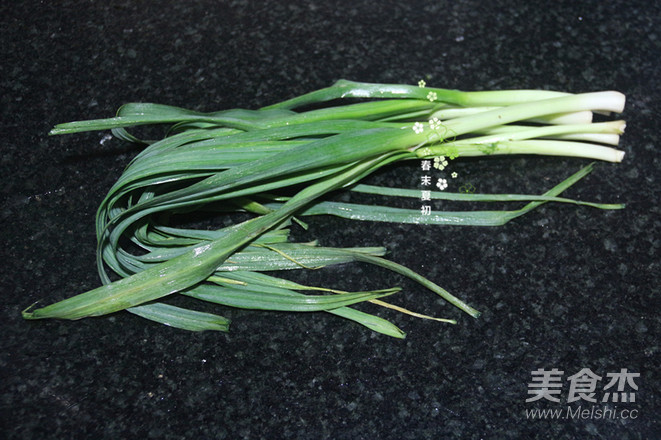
181	318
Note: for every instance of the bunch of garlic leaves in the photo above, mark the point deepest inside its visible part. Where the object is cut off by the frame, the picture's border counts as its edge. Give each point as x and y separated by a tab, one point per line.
274	164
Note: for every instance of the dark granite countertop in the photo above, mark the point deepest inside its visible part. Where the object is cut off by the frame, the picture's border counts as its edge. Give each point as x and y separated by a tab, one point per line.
563	287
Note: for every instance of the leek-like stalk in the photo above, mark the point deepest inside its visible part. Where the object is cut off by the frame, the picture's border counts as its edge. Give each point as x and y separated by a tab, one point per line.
250	161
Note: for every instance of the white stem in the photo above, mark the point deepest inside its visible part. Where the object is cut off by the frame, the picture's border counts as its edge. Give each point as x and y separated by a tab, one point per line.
505	97
609	132
598	138
583	117
610	101
458	112
610	127
541	147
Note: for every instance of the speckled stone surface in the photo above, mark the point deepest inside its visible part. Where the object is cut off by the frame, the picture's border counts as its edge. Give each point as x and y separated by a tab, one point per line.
563	287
